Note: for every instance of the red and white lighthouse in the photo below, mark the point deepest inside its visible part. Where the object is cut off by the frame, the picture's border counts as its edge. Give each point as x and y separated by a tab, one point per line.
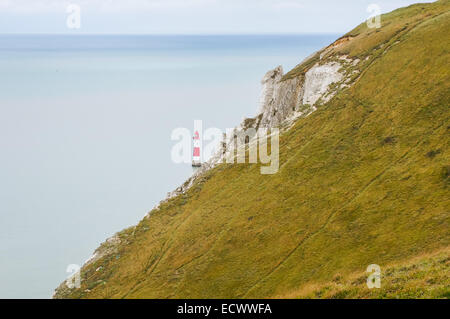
196	157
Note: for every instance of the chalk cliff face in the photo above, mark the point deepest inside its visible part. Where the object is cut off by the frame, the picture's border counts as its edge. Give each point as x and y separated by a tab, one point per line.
269	85
318	80
283	100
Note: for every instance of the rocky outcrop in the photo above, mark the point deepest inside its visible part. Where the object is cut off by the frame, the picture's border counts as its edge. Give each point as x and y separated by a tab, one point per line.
269	87
285	100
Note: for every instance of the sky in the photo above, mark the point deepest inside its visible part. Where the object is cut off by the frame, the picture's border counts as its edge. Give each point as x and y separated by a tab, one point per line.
189	16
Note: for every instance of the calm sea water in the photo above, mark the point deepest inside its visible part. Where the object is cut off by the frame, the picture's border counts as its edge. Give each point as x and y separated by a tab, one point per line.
85	125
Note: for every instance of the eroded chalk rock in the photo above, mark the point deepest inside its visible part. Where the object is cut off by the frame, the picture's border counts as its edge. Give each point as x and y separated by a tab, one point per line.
318	79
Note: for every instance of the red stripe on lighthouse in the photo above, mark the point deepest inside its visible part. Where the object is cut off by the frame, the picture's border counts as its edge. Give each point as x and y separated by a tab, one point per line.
196	151
196	135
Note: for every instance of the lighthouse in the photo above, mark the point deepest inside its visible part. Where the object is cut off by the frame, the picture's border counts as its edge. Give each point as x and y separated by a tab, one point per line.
196	156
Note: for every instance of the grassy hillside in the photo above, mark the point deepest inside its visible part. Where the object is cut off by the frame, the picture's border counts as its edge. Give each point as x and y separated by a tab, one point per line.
363	180
423	277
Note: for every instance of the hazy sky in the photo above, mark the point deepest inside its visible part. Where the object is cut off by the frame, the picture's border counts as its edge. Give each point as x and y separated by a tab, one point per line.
190	16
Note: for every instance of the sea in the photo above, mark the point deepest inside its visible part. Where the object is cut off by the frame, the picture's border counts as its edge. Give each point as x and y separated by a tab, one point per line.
85	133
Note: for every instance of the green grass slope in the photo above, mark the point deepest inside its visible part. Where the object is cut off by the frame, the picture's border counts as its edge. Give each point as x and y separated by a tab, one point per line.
363	180
424	277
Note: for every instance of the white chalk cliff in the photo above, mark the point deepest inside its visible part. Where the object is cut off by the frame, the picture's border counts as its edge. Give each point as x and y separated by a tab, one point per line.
283	99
